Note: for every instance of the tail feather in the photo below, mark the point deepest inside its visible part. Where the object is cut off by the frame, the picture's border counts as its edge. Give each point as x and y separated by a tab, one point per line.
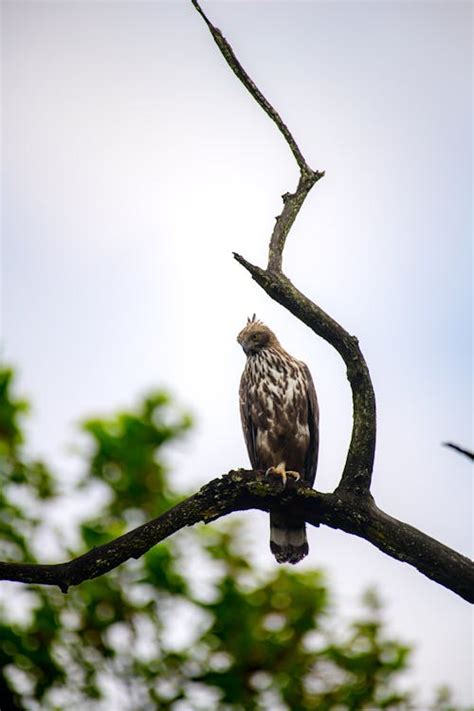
288	541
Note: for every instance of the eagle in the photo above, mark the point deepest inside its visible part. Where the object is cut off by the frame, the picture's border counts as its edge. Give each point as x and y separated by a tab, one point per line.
280	420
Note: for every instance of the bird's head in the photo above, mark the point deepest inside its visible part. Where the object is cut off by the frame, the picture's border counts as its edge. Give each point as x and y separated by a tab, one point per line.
255	336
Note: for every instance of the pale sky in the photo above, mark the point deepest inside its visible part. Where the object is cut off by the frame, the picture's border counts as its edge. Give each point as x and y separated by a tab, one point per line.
134	163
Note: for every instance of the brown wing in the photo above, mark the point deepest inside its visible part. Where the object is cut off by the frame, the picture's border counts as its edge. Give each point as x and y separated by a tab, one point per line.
311	461
250	433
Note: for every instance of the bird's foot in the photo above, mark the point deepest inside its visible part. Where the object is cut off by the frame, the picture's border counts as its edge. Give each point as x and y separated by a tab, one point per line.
283	473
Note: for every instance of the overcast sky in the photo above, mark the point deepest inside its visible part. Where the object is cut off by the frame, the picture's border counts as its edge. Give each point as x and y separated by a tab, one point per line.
134	163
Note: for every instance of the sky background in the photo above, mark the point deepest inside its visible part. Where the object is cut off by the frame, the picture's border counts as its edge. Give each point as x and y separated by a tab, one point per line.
134	163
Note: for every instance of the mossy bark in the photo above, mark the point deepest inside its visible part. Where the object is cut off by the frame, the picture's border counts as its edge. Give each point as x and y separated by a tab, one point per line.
242	490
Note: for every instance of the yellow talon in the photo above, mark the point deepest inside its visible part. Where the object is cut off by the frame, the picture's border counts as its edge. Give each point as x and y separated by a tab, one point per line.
283	473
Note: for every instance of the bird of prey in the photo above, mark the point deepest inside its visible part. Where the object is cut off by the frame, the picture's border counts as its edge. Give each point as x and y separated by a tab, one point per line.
280	420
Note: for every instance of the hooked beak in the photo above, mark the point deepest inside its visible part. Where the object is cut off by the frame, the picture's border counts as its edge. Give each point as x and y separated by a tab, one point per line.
245	346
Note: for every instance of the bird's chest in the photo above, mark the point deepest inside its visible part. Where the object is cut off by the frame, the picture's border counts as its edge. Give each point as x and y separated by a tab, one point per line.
275	387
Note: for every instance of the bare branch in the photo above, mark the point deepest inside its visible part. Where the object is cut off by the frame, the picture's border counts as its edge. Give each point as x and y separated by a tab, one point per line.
461	450
241	490
308	177
359	463
284	222
239	71
351	507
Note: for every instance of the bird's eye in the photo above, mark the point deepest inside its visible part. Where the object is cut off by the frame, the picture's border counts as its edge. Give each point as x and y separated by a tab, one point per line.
255	337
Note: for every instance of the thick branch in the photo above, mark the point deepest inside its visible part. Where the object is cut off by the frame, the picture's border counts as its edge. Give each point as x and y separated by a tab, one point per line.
242	490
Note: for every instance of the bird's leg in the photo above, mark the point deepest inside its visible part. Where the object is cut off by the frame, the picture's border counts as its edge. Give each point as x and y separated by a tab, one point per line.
284	473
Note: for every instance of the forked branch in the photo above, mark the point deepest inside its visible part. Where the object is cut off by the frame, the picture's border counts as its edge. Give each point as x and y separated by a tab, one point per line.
357	473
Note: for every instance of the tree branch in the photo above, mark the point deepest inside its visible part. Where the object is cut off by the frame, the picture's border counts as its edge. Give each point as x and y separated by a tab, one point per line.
242	490
467	452
356	476
360	458
350	508
308	177
229	56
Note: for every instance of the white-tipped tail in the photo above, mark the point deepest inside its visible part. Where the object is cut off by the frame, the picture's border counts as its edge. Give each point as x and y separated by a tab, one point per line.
288	542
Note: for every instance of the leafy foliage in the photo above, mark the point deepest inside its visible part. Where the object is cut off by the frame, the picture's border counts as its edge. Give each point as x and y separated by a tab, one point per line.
151	636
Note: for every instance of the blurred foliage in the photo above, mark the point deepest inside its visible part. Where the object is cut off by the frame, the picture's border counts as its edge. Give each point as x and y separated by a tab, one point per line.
192	624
